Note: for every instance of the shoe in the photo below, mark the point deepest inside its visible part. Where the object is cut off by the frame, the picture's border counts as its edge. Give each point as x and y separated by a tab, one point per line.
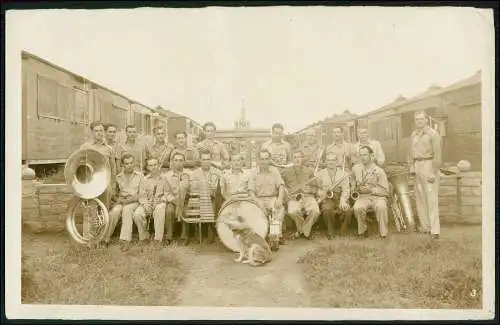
167	242
124	246
185	242
282	241
329	237
435	236
310	237
363	235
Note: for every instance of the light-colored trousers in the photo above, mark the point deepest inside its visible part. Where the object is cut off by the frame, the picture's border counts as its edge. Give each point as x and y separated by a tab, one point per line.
379	205
140	219
426	196
311	208
275	216
126	213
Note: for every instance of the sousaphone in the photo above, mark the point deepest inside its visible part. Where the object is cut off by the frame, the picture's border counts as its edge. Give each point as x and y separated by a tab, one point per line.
88	172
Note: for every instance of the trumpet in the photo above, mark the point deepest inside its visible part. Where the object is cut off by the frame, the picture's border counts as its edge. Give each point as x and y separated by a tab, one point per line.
329	193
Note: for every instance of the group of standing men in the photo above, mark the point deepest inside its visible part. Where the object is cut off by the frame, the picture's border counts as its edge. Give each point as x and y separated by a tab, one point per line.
164	181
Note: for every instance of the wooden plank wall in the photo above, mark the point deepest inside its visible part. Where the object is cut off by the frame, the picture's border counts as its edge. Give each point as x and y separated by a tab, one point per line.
462	206
44	206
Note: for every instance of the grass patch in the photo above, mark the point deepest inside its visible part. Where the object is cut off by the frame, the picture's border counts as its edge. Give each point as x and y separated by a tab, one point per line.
55	271
405	271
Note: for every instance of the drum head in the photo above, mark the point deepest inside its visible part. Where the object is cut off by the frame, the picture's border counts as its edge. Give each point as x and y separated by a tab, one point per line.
250	211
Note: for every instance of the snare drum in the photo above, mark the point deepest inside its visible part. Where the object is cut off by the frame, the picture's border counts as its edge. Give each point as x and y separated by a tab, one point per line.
249	209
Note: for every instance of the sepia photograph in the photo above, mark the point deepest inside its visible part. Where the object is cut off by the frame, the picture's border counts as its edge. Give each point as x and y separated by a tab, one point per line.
274	162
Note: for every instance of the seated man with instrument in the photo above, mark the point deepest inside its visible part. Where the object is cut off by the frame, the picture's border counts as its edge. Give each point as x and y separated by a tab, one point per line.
334	195
176	188
267	186
371	191
202	194
234	183
302	186
126	201
151	203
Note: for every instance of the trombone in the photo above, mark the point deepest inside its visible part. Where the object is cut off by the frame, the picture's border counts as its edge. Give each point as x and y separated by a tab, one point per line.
316	166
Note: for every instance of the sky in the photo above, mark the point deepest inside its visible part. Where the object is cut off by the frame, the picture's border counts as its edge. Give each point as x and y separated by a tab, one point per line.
293	65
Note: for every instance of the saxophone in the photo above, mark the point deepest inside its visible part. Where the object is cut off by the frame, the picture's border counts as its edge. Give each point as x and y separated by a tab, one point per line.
355	194
329	193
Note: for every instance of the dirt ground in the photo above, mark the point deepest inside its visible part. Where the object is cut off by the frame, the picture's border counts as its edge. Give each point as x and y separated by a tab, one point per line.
216	280
301	274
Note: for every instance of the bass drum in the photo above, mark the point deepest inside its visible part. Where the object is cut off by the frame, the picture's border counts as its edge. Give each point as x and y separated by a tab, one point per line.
250	210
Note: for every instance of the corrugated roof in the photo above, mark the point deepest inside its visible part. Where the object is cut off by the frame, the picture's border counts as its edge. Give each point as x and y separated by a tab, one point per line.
431	91
79	76
168	113
336	118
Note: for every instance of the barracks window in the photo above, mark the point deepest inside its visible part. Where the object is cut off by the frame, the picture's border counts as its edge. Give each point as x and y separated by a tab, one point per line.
47	90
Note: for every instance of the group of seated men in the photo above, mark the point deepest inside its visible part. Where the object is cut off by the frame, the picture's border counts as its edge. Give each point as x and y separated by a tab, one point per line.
169	191
146	178
340	169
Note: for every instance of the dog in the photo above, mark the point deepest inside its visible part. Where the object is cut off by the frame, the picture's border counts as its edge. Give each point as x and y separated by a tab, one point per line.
254	250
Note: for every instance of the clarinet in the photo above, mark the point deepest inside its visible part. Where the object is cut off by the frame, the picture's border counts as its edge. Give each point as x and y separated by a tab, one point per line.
153	198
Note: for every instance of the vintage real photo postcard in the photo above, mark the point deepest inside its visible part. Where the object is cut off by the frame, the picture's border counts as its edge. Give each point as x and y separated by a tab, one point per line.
275	162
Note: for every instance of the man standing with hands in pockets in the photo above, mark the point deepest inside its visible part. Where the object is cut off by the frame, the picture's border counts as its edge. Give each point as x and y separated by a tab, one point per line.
425	160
